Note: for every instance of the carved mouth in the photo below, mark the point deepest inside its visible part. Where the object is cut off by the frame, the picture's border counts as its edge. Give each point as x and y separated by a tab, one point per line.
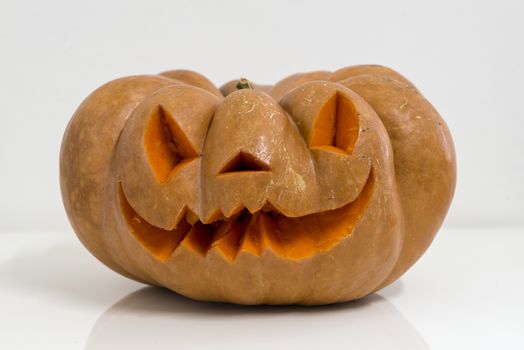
292	238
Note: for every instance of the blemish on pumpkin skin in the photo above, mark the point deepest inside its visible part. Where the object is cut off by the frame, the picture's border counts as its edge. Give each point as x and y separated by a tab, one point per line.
249	109
300	184
270	115
404	105
332	196
263	152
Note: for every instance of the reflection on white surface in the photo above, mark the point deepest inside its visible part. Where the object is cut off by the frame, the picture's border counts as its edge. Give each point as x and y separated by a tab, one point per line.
51	285
158	318
55	295
63	272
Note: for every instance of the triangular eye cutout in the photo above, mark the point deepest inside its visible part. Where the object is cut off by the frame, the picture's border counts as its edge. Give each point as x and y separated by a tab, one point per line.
244	162
167	147
337	125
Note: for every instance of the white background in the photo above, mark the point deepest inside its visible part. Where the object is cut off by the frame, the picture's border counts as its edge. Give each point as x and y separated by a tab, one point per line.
467	57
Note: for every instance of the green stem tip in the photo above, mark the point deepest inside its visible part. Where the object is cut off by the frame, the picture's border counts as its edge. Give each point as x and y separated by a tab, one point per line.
243	83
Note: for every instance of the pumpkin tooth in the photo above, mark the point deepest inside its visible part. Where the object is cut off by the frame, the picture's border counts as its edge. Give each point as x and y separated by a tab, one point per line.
268	207
220	215
250	238
268	234
181	215
191	217
227	237
222	229
198	239
235	212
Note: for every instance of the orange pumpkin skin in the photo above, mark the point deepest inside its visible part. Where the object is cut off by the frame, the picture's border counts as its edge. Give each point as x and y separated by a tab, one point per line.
320	189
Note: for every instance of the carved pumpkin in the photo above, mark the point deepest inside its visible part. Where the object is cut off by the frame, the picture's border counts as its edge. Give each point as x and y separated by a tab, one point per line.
320	189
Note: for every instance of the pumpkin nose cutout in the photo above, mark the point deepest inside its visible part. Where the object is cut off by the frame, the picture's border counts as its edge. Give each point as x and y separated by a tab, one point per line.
244	162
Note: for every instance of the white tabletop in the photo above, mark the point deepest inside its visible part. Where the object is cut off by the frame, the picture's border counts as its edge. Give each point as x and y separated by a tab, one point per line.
467	292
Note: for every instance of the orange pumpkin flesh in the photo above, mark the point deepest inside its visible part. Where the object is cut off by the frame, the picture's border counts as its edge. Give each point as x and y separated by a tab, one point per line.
306	192
166	158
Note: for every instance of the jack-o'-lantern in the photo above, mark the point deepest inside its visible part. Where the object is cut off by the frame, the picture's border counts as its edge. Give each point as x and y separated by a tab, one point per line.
321	189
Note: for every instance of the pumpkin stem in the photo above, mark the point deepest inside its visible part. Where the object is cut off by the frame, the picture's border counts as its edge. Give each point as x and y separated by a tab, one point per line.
243	83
